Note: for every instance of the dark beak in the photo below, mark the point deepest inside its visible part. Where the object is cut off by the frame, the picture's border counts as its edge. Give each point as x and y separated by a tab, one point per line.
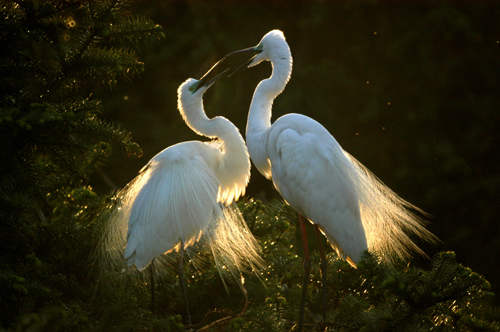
209	78
255	49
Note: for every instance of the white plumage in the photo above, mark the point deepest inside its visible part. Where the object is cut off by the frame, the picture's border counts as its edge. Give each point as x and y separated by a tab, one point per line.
187	192
302	154
318	178
175	198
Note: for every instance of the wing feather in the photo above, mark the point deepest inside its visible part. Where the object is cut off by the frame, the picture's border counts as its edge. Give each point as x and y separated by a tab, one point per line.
324	183
174	199
170	201
309	179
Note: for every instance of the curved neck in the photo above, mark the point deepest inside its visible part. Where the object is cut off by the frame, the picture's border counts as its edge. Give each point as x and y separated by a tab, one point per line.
194	116
259	116
193	113
233	163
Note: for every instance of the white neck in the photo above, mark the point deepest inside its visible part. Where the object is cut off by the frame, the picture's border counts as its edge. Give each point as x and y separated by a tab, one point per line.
259	116
234	162
194	115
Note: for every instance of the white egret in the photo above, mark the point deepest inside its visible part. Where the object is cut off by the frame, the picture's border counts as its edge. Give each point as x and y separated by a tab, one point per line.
321	181
186	192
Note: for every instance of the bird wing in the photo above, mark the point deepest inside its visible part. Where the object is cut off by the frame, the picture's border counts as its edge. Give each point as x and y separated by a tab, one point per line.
307	173
173	199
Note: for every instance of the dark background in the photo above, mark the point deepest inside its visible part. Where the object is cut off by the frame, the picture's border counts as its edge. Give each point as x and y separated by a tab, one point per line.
411	90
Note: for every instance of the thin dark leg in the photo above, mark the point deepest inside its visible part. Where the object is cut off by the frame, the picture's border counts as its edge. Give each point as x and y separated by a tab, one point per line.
182	281
322	267
152	271
307	271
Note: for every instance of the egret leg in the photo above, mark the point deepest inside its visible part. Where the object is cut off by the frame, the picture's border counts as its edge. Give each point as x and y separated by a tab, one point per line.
322	267
182	280
307	272
152	271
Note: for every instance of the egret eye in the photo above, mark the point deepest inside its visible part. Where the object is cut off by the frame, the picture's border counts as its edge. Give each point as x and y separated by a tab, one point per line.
194	87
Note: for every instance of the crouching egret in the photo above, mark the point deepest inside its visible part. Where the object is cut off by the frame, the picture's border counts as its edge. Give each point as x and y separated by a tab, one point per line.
186	192
321	181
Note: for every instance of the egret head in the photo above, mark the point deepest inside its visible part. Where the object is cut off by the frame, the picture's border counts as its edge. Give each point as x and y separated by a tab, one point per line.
195	86
272	46
193	89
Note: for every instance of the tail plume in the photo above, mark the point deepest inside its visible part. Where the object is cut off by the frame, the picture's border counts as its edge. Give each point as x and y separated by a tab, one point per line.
226	236
389	220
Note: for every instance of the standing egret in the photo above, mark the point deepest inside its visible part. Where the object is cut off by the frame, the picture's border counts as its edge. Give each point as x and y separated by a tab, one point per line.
321	181
186	192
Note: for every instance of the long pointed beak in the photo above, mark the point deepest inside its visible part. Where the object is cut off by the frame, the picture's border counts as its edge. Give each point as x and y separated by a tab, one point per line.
208	78
243	66
255	49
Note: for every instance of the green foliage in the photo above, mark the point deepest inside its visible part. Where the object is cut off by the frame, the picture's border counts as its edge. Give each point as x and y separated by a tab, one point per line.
57	58
373	297
55	55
